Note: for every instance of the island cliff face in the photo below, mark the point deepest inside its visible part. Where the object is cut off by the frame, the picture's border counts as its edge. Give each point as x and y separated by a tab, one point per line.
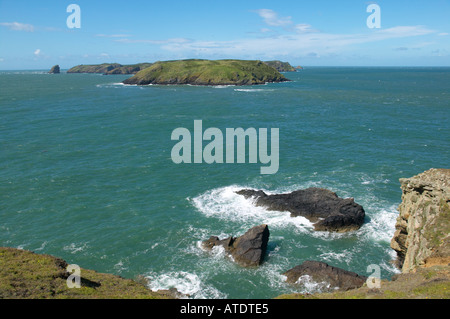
422	235
207	72
281	66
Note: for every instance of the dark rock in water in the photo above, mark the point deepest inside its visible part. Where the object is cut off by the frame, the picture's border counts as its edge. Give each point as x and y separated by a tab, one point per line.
320	206
321	272
247	250
54	70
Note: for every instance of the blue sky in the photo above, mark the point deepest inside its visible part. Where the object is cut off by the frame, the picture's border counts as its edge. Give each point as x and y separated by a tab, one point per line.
34	34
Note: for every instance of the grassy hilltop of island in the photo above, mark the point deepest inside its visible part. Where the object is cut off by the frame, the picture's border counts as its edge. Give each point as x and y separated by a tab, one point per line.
207	72
196	72
109	68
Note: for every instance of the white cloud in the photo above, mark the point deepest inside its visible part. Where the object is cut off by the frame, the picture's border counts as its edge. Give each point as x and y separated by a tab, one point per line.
294	40
37	52
265	30
292	44
271	18
304	27
16	26
113	35
168	41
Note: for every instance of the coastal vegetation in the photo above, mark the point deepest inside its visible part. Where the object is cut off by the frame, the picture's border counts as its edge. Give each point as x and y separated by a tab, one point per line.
27	275
207	72
109	68
281	66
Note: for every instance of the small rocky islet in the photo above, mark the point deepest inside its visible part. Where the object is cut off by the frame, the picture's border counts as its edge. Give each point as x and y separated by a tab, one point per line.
55	70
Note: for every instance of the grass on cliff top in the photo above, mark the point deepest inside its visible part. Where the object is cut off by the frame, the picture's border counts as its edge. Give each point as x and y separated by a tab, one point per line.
109	68
207	72
26	275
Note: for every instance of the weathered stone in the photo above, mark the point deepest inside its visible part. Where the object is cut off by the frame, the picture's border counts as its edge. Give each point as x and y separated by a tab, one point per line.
321	272
320	206
423	227
55	70
247	250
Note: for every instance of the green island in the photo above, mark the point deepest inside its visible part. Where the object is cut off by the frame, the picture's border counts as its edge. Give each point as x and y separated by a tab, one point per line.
109	68
207	72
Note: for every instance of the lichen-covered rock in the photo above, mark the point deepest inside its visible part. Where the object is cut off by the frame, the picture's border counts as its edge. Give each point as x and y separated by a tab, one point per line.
422	235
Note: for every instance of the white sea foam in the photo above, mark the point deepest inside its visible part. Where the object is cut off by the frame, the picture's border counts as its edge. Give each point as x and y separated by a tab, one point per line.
221	86
120	266
343	256
223	203
42	246
254	90
189	284
308	285
75	248
381	226
110	85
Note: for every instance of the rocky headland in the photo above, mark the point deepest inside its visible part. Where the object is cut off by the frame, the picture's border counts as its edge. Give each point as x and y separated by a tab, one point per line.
422	236
207	73
281	66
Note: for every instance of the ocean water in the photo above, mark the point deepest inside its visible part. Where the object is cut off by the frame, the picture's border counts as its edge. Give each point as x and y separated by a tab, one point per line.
87	175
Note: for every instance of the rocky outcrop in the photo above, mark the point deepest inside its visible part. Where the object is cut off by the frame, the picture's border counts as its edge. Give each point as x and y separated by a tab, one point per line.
320	272
55	70
320	206
247	250
422	235
280	66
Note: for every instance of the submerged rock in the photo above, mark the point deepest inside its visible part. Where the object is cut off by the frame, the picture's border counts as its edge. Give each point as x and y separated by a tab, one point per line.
320	206
321	272
247	250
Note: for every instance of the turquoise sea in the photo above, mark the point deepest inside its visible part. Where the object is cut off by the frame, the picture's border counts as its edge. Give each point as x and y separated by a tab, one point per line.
86	171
